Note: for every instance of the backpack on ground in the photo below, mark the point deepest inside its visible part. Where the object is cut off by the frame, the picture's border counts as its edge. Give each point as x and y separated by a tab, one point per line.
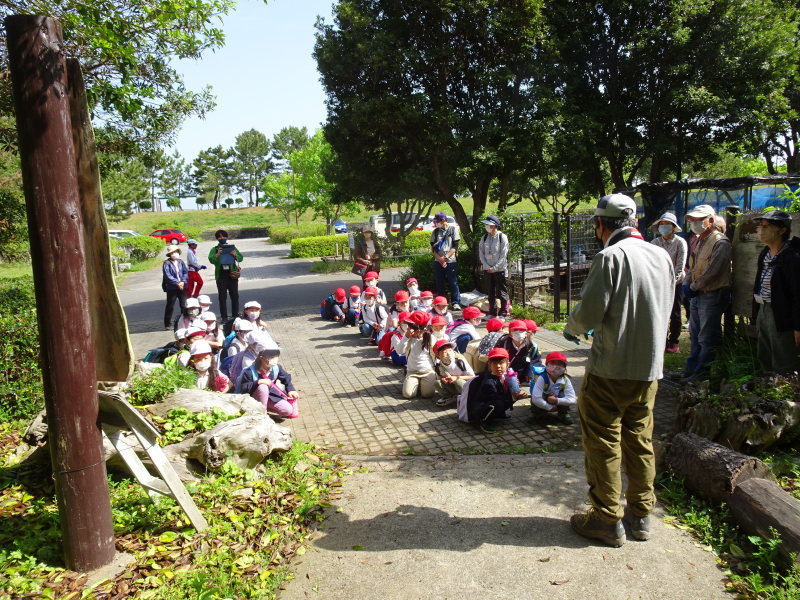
462	400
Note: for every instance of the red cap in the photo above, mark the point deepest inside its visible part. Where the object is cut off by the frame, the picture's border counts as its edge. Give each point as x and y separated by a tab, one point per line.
494	324
498	353
438	320
411	280
400	296
403	317
354	289
420	318
370	275
339	295
531	325
439	300
442	344
426	294
517	324
472	312
371	291
555	356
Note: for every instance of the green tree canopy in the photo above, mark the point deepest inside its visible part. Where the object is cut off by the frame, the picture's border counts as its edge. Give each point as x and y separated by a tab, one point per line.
213	174
286	141
251	155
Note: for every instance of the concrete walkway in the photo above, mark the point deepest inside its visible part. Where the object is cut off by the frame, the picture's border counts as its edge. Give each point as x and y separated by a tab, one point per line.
475	518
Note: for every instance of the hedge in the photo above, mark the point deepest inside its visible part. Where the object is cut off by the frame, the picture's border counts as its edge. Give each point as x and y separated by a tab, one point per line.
283	234
321	245
137	248
21	394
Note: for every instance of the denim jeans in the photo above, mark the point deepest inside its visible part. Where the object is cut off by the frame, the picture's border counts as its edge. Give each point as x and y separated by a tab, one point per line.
450	273
705	329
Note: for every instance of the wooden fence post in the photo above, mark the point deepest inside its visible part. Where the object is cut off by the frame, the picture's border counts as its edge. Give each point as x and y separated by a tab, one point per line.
39	78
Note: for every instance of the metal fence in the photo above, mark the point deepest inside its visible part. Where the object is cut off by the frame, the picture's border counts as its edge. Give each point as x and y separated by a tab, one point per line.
549	258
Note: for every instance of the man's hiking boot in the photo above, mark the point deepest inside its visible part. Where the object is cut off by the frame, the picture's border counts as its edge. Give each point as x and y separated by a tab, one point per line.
639	526
589	525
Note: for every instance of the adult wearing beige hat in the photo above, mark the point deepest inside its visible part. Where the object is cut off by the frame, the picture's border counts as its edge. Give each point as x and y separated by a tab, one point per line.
667	226
175	275
708	285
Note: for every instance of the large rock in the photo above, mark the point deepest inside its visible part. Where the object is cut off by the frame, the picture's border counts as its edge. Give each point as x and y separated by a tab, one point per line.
203	401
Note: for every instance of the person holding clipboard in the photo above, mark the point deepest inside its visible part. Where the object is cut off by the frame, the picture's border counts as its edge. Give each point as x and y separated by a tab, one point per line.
226	258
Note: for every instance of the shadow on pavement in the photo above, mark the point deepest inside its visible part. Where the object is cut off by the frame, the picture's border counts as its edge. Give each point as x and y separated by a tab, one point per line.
421	527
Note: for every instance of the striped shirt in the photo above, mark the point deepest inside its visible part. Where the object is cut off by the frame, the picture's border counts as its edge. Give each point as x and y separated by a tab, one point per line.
767	268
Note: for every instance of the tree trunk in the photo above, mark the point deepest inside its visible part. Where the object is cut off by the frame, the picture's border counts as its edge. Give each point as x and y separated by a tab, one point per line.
760	505
709	468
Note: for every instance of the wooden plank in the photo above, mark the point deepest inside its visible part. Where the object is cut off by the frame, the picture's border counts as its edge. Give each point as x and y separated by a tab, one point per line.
109	326
135	465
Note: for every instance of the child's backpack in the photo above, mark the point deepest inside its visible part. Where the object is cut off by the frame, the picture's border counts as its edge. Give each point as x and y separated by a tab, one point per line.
227	326
226	343
158	355
454	324
273	374
475	360
462	401
225	364
326	308
550	387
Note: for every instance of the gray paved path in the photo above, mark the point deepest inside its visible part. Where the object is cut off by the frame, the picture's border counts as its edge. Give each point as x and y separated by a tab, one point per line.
482	527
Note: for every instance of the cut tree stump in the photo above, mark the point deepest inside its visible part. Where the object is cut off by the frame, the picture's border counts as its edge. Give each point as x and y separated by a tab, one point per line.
760	504
711	469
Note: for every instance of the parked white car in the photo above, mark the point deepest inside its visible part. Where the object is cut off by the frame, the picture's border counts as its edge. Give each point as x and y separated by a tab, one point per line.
378	223
429	225
122	233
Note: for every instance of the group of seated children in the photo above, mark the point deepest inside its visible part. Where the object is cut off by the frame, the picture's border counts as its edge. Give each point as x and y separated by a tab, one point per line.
246	361
447	357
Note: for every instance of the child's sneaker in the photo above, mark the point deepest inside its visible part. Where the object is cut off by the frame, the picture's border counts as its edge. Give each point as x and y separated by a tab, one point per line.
446	400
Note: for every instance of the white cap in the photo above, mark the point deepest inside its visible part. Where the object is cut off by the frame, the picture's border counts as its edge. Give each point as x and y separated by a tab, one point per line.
203	299
208	316
180	333
192	303
252	304
200	347
194	329
615	206
243	325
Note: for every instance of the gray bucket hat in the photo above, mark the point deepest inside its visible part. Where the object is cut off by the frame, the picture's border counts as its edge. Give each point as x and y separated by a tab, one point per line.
667	216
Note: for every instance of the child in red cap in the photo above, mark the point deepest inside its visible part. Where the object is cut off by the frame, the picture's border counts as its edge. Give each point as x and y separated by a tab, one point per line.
374	316
371	281
438	329
552	394
487	397
400	306
462	331
440	308
413	293
398	341
420	376
332	308
452	370
426	301
522	352
352	306
478	355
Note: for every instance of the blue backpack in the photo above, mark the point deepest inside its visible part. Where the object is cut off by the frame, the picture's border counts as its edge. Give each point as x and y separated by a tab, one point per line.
273	373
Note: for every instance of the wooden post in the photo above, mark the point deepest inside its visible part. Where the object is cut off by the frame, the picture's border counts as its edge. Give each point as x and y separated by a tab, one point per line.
39	78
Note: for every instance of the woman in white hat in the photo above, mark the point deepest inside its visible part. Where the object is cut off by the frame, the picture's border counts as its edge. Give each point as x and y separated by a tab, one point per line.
667	226
175	275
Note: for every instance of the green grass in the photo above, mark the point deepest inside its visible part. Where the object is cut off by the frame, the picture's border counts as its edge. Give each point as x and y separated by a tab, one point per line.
339	266
15	269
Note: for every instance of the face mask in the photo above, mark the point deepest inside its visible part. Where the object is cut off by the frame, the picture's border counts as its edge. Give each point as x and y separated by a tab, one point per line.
174	255
203	365
371	283
193	312
413	290
697	227
446	359
272	361
442	224
401	327
437	331
241	336
223	241
211	327
441	311
488	229
475	322
401	306
253	316
597	237
556	370
665	229
427	303
370	301
518	336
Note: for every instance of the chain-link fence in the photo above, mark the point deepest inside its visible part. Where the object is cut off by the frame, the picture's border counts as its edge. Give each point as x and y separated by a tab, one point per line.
549	258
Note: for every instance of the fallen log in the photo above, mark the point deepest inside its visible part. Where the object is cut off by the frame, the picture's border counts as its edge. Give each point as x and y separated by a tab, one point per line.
760	506
712	469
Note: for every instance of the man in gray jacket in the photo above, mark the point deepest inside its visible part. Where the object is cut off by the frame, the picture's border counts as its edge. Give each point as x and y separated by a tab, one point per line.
493	254
626	303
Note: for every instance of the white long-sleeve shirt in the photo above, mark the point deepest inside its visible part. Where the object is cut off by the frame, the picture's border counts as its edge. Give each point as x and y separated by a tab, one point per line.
562	383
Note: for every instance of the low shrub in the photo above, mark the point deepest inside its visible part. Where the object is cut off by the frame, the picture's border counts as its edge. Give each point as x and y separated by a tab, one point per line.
137	248
160	383
322	245
21	393
422	268
283	234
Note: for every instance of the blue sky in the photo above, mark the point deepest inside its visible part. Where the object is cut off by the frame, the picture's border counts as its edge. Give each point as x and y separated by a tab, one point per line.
264	77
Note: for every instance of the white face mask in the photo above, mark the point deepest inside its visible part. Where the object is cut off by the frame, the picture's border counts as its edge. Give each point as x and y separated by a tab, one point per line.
475	322
203	365
556	371
442	310
272	361
665	229
193	312
253	316
427	302
697	227
488	228
175	255
371	283
211	328
413	290
369	301
518	336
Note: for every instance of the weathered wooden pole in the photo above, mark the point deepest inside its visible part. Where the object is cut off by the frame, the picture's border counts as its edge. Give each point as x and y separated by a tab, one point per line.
39	78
